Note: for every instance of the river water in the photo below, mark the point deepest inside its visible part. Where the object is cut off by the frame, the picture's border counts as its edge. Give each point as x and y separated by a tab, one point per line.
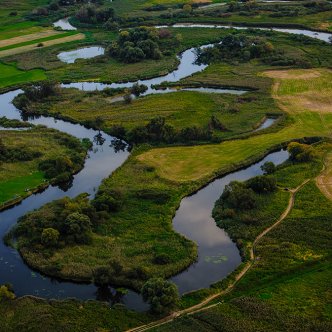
217	254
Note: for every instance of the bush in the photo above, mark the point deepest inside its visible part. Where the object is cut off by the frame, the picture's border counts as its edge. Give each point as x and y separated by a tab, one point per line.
162	259
137	44
101	276
300	152
236	195
6	294
50	237
262	184
268	167
162	295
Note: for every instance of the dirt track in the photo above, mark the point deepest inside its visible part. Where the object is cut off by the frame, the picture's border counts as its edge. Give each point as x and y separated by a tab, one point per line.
202	305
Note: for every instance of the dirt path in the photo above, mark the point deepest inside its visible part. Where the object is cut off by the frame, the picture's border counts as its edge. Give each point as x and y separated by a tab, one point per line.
202	305
324	179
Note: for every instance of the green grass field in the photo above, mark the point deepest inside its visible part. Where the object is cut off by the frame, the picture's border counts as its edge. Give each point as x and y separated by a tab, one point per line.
180	109
19	185
10	75
287	287
18	178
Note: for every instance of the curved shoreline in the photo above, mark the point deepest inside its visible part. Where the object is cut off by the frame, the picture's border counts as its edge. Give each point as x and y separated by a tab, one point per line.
202	182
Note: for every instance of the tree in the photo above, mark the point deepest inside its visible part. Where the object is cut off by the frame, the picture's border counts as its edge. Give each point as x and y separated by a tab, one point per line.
262	184
268	167
78	227
236	195
162	295
50	237
300	152
6	293
101	275
138	89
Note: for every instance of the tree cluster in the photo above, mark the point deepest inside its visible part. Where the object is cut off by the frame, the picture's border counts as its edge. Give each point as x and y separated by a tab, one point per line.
238	47
158	131
137	44
92	14
242	195
15	154
300	152
162	295
62	222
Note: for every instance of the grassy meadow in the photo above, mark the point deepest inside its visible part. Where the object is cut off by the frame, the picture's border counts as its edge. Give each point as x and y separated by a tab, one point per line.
17	179
287	287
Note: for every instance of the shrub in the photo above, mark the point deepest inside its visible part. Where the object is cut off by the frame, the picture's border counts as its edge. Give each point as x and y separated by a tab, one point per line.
300	152
162	259
237	196
268	167
162	295
101	275
50	237
262	184
6	294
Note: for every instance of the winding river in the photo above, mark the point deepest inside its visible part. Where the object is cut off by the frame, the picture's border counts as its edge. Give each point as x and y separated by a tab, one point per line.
217	253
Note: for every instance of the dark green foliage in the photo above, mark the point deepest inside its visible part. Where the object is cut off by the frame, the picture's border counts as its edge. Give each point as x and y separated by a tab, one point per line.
300	152
162	259
13	154
77	228
268	168
237	195
12	123
6	294
162	295
237	47
66	221
156	195
101	275
50	237
262	184
55	167
136	44
138	89
108	200
91	14
41	90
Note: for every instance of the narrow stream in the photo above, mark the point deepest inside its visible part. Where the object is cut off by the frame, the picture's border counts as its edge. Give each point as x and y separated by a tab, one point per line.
218	255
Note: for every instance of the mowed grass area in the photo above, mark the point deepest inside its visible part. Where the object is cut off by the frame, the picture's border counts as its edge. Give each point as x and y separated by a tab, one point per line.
17	177
182	164
288	286
180	109
10	75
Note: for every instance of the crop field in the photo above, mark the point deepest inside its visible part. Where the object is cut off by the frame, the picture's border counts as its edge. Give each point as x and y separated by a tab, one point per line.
33	44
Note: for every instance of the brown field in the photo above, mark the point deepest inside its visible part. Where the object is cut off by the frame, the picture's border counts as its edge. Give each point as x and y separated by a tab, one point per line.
32	47
32	36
